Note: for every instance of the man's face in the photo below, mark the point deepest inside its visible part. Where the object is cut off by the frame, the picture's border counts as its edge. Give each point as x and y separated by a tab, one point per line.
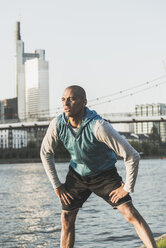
73	103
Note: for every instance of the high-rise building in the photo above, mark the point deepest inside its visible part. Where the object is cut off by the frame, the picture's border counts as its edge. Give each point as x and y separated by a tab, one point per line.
153	109
2	110
32	81
8	110
36	88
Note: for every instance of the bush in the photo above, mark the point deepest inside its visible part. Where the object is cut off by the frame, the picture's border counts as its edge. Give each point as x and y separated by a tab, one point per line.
146	148
31	144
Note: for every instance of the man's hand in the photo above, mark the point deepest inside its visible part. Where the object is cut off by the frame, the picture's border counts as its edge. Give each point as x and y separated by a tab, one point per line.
118	193
63	194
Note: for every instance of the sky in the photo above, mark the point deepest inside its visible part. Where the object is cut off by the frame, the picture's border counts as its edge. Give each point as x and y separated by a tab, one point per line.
105	46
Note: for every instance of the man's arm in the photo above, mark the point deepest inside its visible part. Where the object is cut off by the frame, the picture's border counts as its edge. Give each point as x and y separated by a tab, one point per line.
104	132
47	154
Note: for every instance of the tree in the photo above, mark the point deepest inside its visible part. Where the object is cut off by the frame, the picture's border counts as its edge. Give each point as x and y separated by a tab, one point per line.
31	144
154	136
137	146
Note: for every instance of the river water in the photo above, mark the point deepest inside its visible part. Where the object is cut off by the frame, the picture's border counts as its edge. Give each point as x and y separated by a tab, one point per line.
30	210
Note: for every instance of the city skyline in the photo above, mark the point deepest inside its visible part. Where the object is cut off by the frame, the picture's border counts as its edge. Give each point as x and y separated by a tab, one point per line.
91	44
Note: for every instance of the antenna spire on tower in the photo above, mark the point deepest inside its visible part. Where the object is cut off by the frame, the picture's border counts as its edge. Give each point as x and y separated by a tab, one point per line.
18	34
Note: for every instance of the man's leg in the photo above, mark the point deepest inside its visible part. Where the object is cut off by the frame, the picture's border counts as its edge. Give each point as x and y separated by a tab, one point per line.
141	227
68	228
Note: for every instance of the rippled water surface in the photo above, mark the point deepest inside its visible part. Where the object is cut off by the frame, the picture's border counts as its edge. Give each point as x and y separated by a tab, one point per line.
30	210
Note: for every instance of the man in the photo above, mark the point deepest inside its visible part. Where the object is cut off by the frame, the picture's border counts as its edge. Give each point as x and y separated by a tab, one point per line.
92	144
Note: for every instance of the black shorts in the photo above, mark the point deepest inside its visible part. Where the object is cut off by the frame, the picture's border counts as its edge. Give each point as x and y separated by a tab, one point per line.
82	187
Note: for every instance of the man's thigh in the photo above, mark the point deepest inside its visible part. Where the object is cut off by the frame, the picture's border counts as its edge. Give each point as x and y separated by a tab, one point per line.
78	190
106	183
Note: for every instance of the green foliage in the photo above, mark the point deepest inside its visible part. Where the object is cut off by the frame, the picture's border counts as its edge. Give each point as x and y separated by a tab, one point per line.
154	135
32	151
161	243
31	144
61	152
146	148
137	145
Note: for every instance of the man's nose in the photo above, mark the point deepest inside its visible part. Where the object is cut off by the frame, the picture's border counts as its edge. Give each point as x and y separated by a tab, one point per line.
67	102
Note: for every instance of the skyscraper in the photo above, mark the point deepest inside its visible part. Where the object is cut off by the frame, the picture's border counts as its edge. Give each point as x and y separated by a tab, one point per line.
36	88
32	81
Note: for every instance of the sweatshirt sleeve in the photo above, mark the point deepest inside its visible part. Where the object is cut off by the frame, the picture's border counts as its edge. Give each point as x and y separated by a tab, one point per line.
105	133
47	153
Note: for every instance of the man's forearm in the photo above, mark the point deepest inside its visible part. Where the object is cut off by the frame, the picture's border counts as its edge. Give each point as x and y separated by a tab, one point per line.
131	172
49	166
47	153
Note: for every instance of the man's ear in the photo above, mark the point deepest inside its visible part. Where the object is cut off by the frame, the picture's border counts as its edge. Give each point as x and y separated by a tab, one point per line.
85	102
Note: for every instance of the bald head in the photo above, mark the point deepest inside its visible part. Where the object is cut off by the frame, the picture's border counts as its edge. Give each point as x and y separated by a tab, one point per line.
78	90
74	101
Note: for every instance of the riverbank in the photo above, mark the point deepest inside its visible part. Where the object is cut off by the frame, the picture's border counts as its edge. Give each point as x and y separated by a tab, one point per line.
57	160
30	160
153	157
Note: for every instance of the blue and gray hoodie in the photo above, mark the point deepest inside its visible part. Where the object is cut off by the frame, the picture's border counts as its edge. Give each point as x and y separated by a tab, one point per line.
92	148
88	155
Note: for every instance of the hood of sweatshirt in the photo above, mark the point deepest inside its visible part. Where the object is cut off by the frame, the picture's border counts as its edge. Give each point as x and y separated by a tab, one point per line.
87	117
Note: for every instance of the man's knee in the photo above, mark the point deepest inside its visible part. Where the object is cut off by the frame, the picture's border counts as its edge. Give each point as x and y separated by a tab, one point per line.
130	213
68	218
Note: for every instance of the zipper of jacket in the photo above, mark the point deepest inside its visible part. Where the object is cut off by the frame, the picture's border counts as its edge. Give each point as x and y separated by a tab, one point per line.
71	130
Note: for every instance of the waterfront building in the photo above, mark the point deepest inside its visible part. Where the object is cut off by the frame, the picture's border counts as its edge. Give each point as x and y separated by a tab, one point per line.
3	138
13	138
19	139
154	109
35	135
32	81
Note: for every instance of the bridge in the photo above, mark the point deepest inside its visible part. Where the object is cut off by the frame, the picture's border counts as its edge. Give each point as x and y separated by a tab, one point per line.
20	134
113	120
